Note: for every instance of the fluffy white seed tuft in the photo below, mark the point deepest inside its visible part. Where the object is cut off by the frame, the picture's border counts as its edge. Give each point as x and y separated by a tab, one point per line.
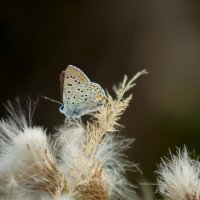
179	177
111	155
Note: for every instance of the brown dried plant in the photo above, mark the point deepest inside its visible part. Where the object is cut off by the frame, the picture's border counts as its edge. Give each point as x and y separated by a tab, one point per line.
106	120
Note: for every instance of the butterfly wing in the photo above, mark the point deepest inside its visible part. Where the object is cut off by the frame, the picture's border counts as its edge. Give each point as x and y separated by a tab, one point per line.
92	98
73	77
74	83
80	95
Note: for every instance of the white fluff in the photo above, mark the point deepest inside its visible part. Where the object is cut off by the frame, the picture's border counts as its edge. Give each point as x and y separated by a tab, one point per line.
17	150
62	197
110	154
67	144
23	150
114	163
179	177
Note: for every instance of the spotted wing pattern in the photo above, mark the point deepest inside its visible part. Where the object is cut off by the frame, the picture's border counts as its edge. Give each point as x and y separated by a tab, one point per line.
80	95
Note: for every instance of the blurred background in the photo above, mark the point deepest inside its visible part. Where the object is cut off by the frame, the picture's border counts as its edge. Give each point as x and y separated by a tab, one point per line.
108	39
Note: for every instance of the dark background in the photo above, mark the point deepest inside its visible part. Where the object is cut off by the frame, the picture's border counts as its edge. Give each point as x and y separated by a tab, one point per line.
108	39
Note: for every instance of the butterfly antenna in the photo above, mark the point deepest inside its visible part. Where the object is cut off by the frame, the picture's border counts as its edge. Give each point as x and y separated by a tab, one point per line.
49	99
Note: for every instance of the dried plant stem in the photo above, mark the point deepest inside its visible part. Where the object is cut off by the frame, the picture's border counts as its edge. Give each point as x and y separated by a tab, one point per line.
106	120
94	190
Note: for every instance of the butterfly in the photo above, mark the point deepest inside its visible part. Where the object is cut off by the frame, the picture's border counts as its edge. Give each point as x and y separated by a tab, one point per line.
80	96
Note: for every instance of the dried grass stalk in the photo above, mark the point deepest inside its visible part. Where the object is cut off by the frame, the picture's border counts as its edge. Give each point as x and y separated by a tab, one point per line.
106	120
93	190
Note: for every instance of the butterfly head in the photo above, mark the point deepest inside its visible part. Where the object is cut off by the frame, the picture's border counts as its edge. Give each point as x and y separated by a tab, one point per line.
61	109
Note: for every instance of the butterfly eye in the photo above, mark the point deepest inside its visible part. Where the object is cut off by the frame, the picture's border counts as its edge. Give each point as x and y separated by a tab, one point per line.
61	108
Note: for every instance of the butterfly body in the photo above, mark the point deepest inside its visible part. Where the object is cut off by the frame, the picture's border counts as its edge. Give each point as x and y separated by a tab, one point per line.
80	95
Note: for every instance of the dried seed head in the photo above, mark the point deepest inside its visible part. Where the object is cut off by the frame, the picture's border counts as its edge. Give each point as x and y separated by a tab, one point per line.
94	190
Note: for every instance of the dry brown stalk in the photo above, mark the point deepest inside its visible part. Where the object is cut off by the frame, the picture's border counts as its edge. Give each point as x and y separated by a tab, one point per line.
106	120
93	190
